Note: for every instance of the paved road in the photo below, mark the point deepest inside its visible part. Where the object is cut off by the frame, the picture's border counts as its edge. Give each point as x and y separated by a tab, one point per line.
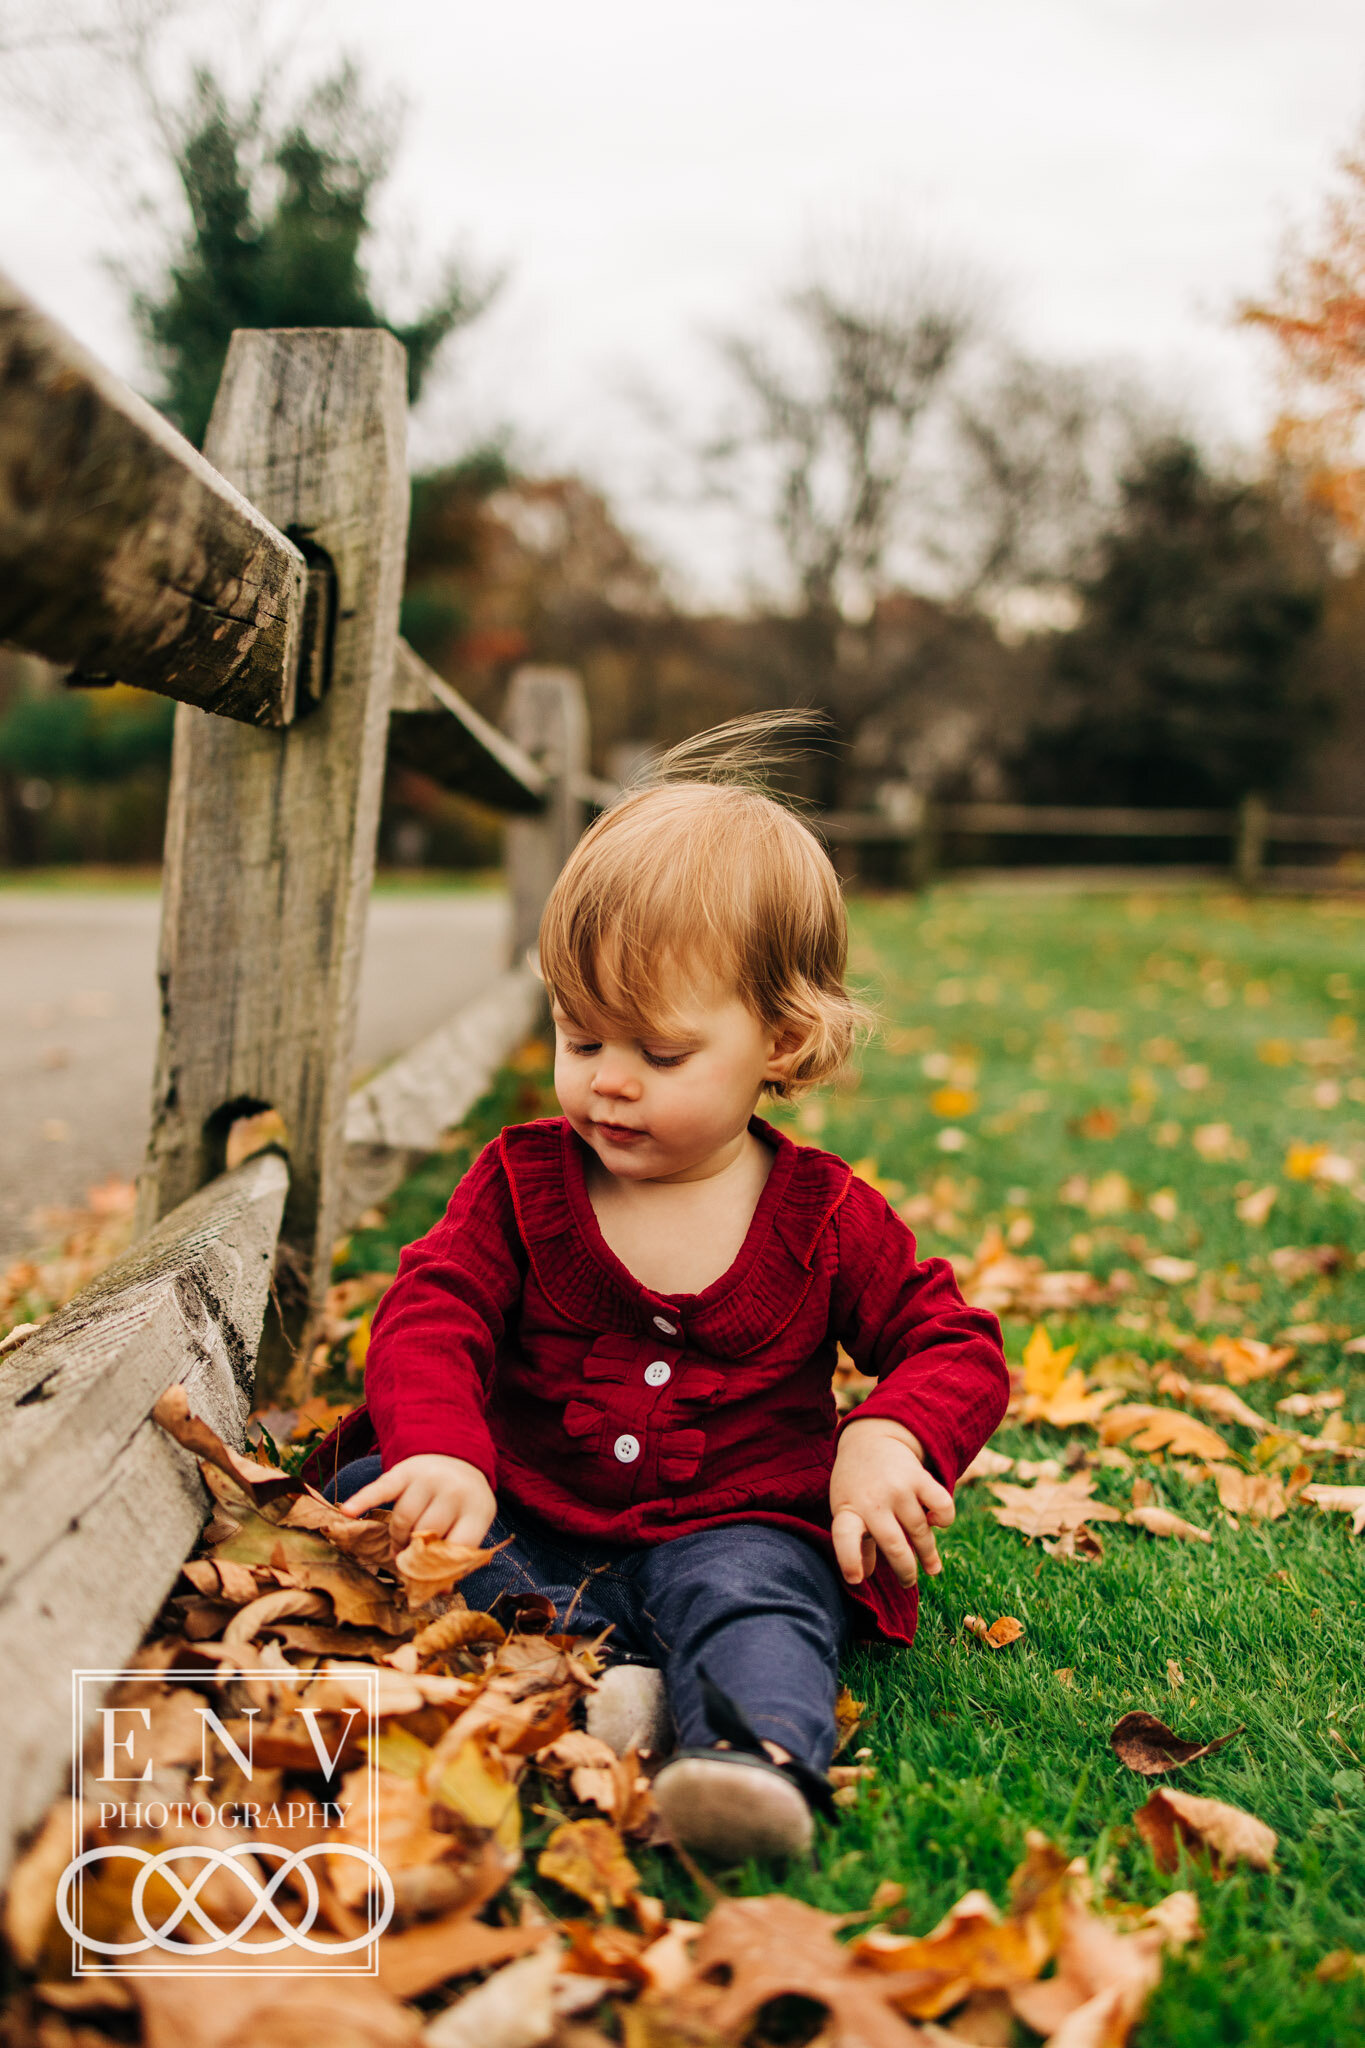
78	1024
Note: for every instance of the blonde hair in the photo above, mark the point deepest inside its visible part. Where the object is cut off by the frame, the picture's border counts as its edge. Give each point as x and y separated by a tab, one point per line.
701	864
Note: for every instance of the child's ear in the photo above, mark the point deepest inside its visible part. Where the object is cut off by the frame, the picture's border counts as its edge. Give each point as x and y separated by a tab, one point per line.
788	1046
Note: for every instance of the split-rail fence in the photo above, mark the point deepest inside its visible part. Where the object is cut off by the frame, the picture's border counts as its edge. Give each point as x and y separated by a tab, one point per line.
258	584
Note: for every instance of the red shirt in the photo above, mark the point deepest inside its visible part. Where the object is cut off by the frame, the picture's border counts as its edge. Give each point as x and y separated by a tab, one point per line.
514	1337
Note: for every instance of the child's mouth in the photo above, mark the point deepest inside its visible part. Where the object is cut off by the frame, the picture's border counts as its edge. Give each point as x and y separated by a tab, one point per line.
621	1134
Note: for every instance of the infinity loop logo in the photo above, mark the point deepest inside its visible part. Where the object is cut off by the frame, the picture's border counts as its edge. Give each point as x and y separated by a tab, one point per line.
237	1861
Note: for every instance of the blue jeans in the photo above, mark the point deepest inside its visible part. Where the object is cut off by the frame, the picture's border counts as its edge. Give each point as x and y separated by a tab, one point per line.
759	1609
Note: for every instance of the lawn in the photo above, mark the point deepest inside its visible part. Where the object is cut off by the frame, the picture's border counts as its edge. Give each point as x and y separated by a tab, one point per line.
1106	1078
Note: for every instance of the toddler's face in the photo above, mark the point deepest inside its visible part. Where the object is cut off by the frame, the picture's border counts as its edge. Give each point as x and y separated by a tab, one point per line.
665	1108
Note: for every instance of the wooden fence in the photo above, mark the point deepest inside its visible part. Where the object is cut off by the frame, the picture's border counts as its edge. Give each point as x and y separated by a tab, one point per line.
258	584
914	829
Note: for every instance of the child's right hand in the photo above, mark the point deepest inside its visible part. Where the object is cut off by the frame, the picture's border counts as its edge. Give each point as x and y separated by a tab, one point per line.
444	1495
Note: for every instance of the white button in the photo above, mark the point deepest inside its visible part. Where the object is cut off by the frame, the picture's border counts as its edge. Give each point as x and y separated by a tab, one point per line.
627	1449
662	1323
658	1374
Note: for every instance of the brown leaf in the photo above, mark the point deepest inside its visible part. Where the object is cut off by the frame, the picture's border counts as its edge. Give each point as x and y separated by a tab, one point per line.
1051	1506
972	1949
1079	1545
589	1859
357	1597
514	2008
776	1947
417	1960
1213	1398
987	1464
356	1536
1349	1499
1229	1835
1102	1982
1241	1359
1300	1405
429	1566
999	1634
1176	1919
1148	1745
1161	1522
400	1813
270	2010
260	1483
1158	1429
1251	1493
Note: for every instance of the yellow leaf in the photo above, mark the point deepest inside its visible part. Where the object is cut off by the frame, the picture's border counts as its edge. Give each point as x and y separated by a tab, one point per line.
1044	1365
478	1785
953	1101
589	1859
1301	1160
359	1345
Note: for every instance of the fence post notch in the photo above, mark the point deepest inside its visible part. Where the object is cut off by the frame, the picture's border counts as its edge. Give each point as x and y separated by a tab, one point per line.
270	836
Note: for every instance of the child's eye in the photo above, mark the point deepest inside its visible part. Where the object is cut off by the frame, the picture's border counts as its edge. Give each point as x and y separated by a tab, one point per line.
585	1048
665	1059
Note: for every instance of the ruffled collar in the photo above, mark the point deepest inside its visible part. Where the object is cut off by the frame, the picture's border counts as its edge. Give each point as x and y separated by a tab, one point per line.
581	1275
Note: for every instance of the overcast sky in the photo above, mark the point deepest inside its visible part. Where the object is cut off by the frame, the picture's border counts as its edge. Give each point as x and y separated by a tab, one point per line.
1123	170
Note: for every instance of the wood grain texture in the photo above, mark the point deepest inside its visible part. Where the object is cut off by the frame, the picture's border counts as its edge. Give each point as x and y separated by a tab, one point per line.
547	716
98	1506
270	836
433	729
122	552
398	1116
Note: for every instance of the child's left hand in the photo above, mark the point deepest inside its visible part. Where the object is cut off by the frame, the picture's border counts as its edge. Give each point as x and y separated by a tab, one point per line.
882	1498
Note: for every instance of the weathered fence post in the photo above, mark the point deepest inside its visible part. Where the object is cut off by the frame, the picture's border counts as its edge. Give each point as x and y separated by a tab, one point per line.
924	847
547	716
1253	822
270	835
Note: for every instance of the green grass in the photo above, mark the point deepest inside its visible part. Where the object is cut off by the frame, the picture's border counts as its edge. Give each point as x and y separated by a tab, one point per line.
1050	1007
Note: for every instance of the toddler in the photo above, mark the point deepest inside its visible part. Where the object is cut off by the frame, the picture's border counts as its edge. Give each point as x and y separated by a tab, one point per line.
616	1347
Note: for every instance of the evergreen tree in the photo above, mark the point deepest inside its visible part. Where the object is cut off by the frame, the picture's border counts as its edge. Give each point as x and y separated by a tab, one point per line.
1182	682
279	218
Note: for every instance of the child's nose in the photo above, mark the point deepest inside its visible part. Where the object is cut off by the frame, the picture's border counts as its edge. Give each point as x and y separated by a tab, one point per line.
615	1077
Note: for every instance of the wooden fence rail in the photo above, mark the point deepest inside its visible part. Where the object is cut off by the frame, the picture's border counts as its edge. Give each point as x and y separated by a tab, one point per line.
917	826
258	584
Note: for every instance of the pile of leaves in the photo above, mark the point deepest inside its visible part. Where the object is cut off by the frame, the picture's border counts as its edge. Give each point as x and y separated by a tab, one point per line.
479	1743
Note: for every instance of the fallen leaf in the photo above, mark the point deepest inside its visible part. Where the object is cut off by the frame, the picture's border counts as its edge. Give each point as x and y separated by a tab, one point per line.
1161	1522
260	1483
270	2010
1213	1398
1241	1359
1229	1834
973	1948
987	1464
1159	1429
1081	1545
1350	1500
1176	1919
1169	1270
514	2008
1175	1677
1300	1405
1051	1507
1255	1208
1006	1630
589	1859
752	1951
1260	1494
417	1959
1045	1365
1148	1745
429	1566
